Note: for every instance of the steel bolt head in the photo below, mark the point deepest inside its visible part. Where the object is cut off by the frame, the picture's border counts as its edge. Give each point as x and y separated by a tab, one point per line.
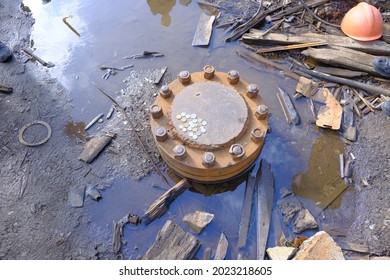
252	91
237	151
179	152
257	134
165	91
209	72
156	111
184	77
261	112
208	159
161	134
233	77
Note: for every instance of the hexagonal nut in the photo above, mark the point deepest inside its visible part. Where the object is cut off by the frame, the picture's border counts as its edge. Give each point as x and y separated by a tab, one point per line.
179	152
165	91
252	91
257	134
233	77
161	134
156	111
237	151
184	77
208	159
209	72
261	112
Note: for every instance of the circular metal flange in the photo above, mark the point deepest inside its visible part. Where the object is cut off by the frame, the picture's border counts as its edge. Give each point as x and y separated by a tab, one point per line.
210	118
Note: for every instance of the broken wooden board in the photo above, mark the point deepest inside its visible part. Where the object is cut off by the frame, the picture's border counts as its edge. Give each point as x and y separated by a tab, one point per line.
172	243
160	75
306	87
373	47
222	247
265	198
247	206
161	205
203	31
94	146
345	73
344	57
329	116
290	47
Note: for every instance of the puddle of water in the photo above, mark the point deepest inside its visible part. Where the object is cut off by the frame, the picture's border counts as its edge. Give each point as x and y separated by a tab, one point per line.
109	32
321	181
76	129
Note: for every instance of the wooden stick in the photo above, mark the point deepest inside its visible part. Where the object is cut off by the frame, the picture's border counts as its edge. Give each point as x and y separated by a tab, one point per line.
290	47
161	205
368	104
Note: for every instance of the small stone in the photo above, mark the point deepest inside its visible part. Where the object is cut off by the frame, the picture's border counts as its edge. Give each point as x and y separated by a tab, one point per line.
304	221
76	196
386	107
5	53
289	207
281	253
93	193
198	221
319	247
350	133
285	192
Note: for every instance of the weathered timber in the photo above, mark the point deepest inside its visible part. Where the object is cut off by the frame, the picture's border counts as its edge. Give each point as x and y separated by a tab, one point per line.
160	75
374	47
386	32
222	247
368	88
290	47
94	146
293	10
204	30
161	205
344	73
5	89
265	198
343	57
247	206
172	243
289	106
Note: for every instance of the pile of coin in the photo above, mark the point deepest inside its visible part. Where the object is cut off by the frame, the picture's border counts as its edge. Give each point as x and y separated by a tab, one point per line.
192	125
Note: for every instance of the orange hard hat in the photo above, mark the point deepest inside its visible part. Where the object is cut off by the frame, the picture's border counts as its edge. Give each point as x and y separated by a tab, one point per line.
363	22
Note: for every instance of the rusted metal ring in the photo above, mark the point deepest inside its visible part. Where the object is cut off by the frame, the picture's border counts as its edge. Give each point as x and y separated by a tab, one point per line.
43	141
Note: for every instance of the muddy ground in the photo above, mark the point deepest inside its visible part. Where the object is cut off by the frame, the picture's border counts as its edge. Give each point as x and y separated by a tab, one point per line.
36	221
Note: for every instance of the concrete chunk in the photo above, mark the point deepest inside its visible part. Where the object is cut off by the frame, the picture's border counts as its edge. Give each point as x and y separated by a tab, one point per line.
320	247
198	220
304	221
281	253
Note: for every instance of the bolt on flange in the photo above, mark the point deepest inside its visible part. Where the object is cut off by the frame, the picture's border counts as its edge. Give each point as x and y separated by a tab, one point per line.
209	72
156	111
233	77
261	112
237	151
184	77
161	134
208	159
257	134
179	152
252	91
165	91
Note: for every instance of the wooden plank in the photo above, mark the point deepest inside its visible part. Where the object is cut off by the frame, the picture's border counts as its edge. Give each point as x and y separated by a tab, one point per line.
290	47
265	198
292	112
222	247
247	207
345	73
203	31
343	57
374	47
161	205
172	243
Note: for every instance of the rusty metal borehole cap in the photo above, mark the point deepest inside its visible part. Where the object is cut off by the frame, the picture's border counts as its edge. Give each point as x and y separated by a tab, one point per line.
210	115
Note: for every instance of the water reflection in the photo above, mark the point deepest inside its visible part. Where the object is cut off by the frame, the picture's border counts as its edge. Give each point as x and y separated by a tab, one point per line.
321	182
164	7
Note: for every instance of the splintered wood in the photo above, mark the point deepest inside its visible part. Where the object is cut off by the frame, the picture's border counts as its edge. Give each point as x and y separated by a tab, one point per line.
203	31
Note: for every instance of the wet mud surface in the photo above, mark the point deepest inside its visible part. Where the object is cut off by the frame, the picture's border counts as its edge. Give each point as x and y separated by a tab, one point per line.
36	220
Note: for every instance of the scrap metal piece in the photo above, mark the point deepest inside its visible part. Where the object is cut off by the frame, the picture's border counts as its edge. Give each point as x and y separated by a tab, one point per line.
70	26
94	120
203	31
44	140
289	107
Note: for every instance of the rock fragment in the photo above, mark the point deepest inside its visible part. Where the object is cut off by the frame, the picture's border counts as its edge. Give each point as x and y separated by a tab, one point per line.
281	253
198	220
304	221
